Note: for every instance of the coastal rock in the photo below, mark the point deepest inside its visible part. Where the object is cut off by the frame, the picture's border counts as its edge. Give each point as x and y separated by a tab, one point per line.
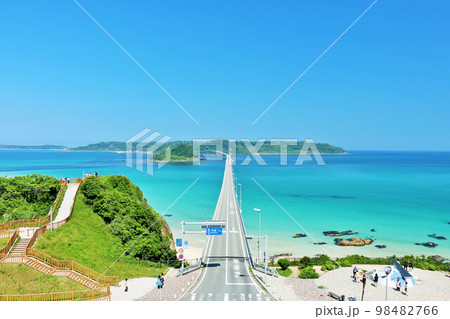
320	243
299	235
437	237
428	244
438	258
353	241
334	233
373	230
380	246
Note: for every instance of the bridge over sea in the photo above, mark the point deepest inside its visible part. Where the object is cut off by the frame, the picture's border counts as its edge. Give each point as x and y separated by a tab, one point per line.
227	273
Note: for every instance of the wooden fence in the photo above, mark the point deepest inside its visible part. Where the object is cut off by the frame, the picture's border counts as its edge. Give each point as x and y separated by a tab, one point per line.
90	294
9	244
33	222
72	265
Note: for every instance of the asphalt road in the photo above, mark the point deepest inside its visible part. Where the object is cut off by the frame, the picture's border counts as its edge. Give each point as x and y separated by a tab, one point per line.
226	275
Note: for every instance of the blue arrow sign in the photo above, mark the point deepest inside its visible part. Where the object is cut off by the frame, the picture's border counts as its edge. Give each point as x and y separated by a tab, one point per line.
179	242
211	231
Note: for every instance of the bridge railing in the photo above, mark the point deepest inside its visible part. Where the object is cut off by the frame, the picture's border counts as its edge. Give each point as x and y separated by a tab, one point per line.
9	244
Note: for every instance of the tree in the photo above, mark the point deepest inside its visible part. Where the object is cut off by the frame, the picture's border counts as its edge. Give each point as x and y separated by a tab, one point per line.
284	263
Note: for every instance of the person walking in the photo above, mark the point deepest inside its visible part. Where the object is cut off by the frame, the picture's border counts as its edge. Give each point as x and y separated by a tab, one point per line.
411	265
162	279
398	284
159	282
357	277
405	265
375	279
355	270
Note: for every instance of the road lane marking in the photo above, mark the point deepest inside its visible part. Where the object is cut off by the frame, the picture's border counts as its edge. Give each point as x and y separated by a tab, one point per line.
267	299
233	231
201	297
258	297
225	297
193	297
242	297
209	296
250	297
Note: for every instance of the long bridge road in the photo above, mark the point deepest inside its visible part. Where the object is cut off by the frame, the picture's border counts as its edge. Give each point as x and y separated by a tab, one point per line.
226	275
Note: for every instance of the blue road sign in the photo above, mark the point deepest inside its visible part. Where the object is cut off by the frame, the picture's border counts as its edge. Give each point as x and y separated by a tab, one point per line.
211	231
185	243
179	242
180	256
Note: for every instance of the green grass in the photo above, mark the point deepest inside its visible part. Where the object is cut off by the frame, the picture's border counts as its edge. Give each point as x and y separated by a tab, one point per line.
87	240
285	273
4	241
21	279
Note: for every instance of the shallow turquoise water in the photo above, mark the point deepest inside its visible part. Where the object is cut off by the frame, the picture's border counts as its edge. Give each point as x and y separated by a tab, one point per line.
404	196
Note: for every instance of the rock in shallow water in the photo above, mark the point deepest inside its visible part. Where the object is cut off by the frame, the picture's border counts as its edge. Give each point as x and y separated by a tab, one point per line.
429	244
353	241
299	235
380	246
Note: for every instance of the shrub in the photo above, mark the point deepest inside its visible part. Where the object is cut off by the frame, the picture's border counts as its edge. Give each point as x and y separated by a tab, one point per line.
327	266
345	263
284	263
308	273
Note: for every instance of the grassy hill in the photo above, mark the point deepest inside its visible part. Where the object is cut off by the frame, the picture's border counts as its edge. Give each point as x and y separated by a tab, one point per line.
21	279
110	213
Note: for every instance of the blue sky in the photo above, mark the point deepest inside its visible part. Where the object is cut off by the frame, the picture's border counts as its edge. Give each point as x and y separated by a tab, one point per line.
384	85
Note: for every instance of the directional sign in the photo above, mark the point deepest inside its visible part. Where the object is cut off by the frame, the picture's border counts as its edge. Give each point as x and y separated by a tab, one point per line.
179	242
180	256
211	231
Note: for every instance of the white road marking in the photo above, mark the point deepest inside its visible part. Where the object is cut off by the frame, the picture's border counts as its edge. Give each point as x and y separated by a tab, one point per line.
225	297
258	297
236	267
201	297
250	297
267	299
242	297
193	297
233	231
209	296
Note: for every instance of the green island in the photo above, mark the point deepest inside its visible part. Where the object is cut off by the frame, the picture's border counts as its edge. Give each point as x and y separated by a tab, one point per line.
180	153
241	149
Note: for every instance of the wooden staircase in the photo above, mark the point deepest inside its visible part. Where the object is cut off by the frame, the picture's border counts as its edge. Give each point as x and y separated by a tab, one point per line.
39	266
20	247
85	281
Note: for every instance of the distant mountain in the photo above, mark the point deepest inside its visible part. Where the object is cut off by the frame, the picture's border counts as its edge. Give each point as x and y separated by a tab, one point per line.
241	149
33	147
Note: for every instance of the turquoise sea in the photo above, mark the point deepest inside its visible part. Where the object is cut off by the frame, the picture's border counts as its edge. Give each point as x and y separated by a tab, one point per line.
404	196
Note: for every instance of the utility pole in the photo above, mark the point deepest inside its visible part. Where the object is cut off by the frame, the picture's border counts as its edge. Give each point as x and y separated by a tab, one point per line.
182	243
240	197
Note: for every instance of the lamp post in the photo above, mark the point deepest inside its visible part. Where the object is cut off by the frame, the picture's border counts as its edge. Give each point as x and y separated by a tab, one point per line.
259	234
387	270
240	197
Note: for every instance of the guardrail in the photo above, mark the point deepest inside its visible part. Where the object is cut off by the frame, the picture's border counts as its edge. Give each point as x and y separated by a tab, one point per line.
33	222
9	244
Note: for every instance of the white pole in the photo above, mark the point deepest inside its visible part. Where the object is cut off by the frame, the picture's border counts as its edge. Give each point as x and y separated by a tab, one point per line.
386	285
182	243
51	218
265	263
240	197
259	239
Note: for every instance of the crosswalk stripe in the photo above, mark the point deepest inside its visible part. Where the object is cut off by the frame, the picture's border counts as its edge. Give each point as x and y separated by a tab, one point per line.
250	297
267	299
242	297
225	297
201	297
258	297
193	297
209	297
